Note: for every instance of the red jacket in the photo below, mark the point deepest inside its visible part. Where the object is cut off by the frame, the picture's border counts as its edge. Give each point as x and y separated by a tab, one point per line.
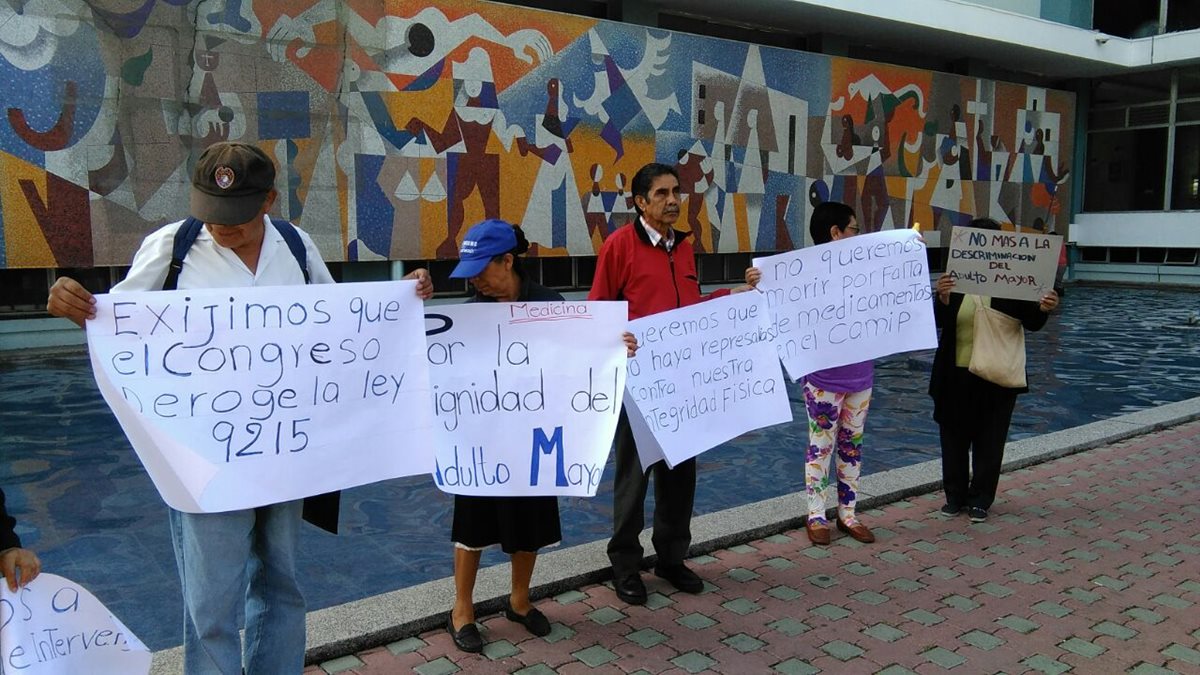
649	277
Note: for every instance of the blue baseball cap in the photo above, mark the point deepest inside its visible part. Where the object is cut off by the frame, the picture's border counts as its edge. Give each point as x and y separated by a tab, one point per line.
483	242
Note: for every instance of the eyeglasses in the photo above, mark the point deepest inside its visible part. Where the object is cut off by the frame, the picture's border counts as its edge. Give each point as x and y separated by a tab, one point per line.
851	229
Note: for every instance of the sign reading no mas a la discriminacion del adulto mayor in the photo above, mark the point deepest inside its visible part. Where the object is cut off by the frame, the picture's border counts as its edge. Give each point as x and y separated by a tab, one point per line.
525	395
847	301
236	398
1017	265
703	374
54	626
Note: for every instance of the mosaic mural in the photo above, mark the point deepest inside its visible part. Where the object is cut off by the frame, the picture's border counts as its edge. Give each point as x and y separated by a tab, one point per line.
396	124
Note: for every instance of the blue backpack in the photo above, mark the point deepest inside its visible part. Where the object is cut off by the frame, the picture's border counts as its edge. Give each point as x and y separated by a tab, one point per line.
186	235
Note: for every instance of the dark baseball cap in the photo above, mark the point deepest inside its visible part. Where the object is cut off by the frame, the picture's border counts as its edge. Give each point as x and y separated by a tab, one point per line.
483	242
231	183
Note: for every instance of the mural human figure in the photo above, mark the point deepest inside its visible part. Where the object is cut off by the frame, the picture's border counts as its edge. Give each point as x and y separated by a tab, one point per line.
752	181
954	166
553	217
623	209
464	138
695	181
717	200
848	138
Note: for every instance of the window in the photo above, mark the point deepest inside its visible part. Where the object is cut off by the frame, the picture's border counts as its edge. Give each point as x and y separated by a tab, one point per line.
1126	170
1185	181
1126	19
1182	15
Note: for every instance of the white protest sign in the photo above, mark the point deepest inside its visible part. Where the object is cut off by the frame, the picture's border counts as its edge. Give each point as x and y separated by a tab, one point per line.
526	395
1017	265
848	301
703	374
54	626
241	397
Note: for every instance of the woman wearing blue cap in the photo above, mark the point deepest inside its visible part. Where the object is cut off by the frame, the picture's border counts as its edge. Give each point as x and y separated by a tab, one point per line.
489	257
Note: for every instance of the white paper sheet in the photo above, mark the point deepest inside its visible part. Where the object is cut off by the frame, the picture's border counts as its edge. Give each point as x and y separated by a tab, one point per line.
526	396
237	398
703	374
848	301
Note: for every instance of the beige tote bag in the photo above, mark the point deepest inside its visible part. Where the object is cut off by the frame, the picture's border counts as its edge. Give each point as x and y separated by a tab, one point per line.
998	354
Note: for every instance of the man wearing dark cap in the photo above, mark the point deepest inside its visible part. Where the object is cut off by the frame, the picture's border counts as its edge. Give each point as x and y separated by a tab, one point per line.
233	188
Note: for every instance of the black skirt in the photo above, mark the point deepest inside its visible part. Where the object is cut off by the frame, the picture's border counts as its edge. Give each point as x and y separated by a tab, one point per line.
516	523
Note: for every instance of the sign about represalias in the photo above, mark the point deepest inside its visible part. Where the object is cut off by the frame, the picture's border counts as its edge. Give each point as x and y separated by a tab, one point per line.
241	397
1017	265
53	626
848	301
525	395
703	374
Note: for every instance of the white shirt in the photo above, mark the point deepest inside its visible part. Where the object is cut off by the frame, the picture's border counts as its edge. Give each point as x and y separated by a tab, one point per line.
655	237
208	265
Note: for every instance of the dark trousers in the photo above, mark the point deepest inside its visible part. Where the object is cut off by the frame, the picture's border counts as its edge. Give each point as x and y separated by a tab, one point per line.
674	494
973	440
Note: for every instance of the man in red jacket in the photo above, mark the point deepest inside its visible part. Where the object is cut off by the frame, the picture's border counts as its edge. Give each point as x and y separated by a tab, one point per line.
653	267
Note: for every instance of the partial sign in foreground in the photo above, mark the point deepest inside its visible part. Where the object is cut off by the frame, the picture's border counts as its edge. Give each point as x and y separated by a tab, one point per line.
54	626
1017	265
526	396
236	398
703	374
848	301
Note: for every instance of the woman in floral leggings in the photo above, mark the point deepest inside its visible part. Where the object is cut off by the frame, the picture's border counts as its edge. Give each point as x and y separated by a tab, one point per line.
837	400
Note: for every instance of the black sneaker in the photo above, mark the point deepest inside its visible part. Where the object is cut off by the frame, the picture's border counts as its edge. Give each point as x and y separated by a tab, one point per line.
976	514
951	510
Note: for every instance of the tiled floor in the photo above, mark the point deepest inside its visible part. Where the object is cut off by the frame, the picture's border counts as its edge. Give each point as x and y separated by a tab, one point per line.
1088	564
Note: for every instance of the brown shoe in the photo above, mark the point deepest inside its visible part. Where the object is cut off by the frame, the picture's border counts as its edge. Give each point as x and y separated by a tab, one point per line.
858	531
818	532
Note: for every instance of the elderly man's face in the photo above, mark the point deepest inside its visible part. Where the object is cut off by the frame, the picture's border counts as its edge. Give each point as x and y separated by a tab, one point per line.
661	205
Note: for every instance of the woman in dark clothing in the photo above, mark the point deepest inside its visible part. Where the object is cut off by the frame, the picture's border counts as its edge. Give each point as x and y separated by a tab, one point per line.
19	566
973	414
520	525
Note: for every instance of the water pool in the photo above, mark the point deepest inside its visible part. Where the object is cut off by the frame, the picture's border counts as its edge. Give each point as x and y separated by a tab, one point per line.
87	507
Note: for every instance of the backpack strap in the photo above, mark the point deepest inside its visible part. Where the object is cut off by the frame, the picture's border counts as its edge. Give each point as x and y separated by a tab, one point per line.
185	236
292	238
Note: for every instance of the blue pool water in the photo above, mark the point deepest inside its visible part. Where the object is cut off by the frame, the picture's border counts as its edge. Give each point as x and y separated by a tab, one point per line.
86	506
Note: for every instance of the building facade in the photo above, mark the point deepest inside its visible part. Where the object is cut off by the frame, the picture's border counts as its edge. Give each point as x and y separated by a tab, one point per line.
397	125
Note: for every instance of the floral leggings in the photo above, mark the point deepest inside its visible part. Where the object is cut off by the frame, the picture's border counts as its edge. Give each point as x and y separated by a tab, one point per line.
834	418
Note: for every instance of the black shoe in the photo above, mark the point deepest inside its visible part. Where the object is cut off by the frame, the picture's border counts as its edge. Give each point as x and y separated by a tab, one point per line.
466	638
534	621
976	514
680	577
630	588
951	510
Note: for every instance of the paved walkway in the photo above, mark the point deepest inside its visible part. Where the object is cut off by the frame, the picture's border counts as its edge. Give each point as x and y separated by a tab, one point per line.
1090	564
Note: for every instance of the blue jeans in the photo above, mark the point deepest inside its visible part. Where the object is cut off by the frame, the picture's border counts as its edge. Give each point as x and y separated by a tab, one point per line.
216	553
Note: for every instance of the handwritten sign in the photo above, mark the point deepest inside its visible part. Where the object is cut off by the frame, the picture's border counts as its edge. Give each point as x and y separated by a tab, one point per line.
53	626
525	396
237	398
1017	265
703	374
848	301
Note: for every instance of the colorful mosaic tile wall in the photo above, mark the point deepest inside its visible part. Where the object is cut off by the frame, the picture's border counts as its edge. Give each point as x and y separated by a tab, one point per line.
398	124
